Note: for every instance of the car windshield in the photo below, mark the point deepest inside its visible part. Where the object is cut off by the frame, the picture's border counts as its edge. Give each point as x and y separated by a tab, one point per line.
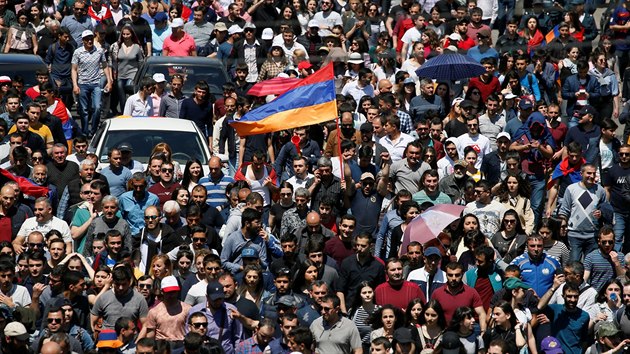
185	145
191	74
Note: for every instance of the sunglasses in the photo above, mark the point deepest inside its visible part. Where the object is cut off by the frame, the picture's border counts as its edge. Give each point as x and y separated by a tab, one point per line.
200	239
200	324
509	221
145	286
151	217
34	245
607	242
54	320
167	170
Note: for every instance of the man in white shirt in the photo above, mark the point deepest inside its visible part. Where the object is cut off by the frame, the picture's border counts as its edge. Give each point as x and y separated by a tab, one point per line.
361	87
395	141
412	35
43	221
140	104
447	163
289	45
480	143
327	18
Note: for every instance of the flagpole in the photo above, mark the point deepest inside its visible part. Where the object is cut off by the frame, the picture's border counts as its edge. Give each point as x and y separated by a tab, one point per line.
339	148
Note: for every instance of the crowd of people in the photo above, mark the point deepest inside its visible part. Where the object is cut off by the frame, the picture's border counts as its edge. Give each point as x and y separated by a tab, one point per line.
298	241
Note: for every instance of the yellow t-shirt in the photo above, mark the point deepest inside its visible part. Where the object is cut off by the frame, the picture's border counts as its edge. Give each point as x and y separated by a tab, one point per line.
41	130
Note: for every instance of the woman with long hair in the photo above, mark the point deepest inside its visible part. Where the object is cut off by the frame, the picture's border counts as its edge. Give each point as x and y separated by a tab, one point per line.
472	240
607	47
181	195
413	314
183	263
509	241
432	325
306	275
514	194
101	283
167	152
376	22
470	156
407	93
385	321
385	66
288	14
252	287
275	64
21	37
504	325
463	323
431	43
568	65
468	223
161	266
436	22
299	7
506	64
408	211
512	83
430	157
532	34
192	174
125	59
608	103
366	102
37	17
278	209
362	309
576	29
548	230
609	300
473	94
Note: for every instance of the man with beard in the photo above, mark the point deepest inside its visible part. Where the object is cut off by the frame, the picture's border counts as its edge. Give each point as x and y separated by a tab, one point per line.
295	218
348	132
15	338
395	141
430	277
167	185
71	194
537	268
358	268
488	211
43	221
569	323
369	199
251	234
574	273
221	325
486	278
426	139
474	139
123	301
492	163
117	175
325	184
13	295
61	171
270	305
457	294
455	184
78	21
603	263
614	182
166	321
313	226
171	104
405	173
289	258
261	338
311	310
585	206
336	333
149	240
134	203
397	291
212	269
246	311
368	139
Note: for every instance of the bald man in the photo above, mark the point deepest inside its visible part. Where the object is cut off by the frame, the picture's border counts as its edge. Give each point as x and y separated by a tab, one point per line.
384	86
215	183
51	347
313	226
13	216
151	237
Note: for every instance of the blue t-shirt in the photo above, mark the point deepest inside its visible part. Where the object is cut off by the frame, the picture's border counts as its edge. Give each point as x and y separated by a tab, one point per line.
569	328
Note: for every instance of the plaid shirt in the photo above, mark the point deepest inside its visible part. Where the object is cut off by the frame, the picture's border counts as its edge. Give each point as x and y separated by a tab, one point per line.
249	346
269	70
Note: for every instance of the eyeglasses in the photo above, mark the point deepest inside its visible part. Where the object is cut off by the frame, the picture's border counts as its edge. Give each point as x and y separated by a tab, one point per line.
200	324
169	170
145	286
54	320
151	217
37	158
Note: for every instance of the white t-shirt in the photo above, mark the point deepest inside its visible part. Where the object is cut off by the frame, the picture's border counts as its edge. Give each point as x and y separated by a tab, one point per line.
20	296
55	223
330	20
197	293
480	143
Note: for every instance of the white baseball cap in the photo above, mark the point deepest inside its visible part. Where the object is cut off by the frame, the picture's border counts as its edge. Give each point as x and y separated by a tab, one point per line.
159	77
178	22
87	33
267	34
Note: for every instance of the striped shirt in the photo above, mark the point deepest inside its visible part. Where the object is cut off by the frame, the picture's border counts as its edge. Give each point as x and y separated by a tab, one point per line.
601	268
89	70
216	190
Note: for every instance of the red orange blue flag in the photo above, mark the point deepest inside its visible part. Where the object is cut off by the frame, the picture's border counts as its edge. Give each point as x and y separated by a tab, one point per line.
307	102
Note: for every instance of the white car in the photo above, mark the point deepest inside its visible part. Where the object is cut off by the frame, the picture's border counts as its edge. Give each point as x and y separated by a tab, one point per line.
143	133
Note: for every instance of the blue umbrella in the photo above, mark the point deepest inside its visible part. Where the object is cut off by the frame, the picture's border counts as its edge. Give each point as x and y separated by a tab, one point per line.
450	67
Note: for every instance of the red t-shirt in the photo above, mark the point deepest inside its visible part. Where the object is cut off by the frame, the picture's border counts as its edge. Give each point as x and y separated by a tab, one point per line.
494	86
5	228
337	250
386	294
484	288
450	302
164	194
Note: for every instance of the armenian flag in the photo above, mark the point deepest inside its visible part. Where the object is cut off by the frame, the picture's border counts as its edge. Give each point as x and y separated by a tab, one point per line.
307	102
